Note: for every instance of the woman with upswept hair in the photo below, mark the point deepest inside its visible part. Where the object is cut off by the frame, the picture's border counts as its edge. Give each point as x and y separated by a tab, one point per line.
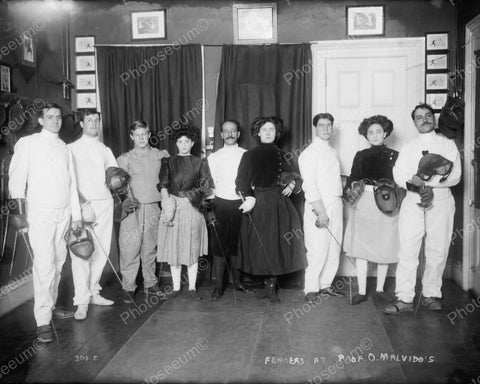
271	239
185	182
371	235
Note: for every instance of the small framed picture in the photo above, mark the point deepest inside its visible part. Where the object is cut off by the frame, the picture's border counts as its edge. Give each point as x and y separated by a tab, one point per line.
5	78
28	51
436	41
436	100
436	81
255	23
86	82
85	63
84	44
86	100
366	20
149	25
437	61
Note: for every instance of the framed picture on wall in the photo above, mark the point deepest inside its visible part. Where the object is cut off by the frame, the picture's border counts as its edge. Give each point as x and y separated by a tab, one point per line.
255	23
5	78
436	41
437	61
149	25
28	54
366	20
84	44
436	100
436	81
85	63
86	100
86	82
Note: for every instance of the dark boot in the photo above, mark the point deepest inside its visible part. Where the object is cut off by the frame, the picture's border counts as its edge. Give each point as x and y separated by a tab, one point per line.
263	293
272	290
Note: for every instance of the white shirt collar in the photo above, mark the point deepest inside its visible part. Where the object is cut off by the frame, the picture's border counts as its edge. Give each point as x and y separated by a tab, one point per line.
49	135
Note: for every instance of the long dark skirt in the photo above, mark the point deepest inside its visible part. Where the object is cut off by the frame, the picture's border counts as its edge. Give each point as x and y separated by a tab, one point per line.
280	230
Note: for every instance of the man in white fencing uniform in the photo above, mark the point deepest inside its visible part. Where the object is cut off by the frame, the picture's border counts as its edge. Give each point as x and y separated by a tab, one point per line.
320	170
92	158
435	222
42	173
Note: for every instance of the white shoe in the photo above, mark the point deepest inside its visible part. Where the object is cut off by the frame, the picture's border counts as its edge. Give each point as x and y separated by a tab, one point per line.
81	312
99	300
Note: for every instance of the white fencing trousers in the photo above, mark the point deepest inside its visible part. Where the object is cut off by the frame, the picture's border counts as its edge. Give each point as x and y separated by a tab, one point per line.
46	230
87	273
439	226
323	252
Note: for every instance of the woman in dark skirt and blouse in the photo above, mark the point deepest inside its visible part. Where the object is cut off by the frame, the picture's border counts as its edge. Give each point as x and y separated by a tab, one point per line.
372	235
185	182
271	239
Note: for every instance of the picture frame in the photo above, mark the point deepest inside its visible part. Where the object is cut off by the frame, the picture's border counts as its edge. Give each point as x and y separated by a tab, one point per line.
436	100
255	23
86	100
436	81
5	78
84	44
148	25
436	41
85	63
28	51
86	81
437	61
365	20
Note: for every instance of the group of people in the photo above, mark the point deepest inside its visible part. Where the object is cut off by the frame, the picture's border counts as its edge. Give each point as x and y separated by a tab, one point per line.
244	196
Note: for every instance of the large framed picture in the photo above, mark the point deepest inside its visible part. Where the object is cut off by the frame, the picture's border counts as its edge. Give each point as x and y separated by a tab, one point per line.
5	78
255	23
436	41
366	20
86	100
84	44
149	25
85	63
28	54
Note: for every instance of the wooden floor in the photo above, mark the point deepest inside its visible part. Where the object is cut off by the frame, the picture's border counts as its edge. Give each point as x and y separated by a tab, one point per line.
241	339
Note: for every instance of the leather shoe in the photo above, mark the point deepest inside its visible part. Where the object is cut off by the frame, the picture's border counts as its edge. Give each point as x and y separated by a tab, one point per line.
431	303
60	313
310	297
194	295
397	307
44	334
216	295
128	297
332	291
153	290
357	299
242	288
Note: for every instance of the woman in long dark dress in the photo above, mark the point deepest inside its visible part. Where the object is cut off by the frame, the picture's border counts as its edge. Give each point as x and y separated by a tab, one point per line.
271	239
372	235
185	181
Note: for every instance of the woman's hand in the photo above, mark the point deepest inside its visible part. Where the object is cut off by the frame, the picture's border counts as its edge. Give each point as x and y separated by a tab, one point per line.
248	205
287	191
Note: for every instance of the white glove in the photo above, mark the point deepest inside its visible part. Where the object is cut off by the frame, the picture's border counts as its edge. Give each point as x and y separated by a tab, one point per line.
319	209
88	214
248	205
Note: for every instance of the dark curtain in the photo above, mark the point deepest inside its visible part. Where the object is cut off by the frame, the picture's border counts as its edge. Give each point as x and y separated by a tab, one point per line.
160	85
266	80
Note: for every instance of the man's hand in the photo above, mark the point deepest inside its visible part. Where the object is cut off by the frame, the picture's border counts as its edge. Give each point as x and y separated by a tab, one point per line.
88	214
248	205
130	204
322	221
19	222
426	196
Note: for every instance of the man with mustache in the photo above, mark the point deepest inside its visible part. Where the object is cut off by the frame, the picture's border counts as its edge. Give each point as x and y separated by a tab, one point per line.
223	166
434	222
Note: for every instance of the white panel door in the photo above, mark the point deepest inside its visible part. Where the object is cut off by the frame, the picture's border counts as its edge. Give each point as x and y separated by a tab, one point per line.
356	79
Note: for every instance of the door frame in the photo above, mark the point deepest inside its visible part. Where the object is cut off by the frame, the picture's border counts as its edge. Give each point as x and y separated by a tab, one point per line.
469	244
